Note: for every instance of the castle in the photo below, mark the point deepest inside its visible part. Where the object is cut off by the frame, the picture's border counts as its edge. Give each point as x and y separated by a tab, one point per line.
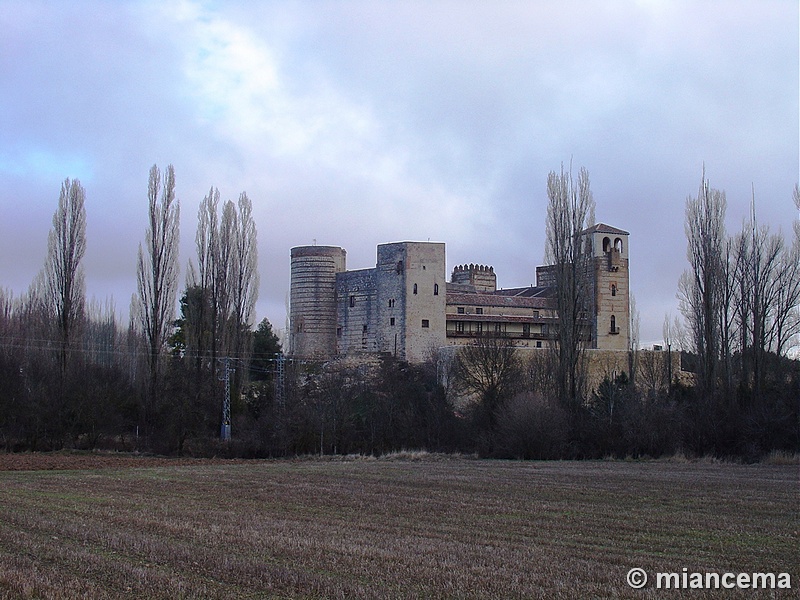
405	307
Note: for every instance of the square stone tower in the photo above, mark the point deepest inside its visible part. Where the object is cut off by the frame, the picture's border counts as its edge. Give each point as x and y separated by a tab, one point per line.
411	297
610	286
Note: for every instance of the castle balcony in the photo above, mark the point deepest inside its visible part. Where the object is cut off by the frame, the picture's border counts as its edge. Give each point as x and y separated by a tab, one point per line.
510	335
525	327
489	318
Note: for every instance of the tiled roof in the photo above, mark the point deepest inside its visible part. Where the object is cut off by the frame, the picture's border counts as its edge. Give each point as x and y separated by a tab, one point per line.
526	292
603	228
498	300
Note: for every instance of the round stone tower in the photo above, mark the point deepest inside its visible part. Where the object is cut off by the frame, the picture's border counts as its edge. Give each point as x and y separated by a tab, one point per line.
312	300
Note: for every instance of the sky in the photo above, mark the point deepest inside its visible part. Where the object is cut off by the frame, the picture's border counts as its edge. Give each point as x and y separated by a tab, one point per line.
354	123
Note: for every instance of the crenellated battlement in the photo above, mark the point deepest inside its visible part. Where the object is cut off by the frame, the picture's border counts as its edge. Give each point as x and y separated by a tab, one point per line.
480	276
471	267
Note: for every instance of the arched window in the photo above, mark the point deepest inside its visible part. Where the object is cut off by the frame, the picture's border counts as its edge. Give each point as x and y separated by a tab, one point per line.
435	289
618	245
613	289
606	244
613	324
415	288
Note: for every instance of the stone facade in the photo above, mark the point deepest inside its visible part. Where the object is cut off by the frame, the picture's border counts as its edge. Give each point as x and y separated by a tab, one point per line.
397	308
405	307
610	281
481	277
312	297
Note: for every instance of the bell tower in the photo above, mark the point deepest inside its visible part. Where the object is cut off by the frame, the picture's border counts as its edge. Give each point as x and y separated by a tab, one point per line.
610	286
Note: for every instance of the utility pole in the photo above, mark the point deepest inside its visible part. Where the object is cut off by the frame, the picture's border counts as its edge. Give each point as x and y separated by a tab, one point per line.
225	430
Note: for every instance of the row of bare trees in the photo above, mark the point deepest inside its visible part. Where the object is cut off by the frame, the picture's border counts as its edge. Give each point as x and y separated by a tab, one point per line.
70	373
740	297
741	306
225	279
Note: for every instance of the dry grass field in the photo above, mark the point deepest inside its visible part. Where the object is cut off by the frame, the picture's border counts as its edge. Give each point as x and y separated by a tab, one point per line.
423	527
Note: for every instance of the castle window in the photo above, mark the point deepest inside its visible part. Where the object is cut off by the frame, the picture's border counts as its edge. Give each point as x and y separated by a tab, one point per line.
536	314
478	311
391	321
613	289
352	301
460	310
526	330
479	328
391	303
435	289
606	245
415	288
614	324
498	327
618	245
399	266
338	332
538	344
425	323
460	327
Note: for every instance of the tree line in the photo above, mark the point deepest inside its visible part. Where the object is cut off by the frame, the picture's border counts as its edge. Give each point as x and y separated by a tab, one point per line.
72	376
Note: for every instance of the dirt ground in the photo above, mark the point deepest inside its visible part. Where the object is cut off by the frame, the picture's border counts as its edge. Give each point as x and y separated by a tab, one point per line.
71	461
412	527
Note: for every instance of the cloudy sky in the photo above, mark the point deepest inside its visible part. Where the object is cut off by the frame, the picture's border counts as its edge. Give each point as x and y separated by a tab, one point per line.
356	123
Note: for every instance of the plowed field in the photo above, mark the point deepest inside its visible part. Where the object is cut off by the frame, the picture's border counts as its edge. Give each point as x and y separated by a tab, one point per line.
137	527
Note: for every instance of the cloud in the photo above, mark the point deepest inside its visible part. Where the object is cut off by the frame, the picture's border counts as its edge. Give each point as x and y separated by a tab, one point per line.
359	123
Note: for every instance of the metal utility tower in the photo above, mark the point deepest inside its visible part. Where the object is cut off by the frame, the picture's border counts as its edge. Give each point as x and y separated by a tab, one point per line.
280	379
225	430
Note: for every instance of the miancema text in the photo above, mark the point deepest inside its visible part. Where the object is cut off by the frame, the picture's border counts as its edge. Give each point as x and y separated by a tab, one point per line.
703	581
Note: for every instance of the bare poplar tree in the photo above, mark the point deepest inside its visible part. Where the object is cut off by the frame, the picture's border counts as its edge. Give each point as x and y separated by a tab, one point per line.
65	286
767	289
789	312
701	289
224	274
569	212
206	238
213	269
633	339
786	319
157	272
201	326
244	284
227	268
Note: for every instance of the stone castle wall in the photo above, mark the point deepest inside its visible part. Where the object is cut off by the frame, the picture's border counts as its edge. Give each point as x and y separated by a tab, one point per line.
312	313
